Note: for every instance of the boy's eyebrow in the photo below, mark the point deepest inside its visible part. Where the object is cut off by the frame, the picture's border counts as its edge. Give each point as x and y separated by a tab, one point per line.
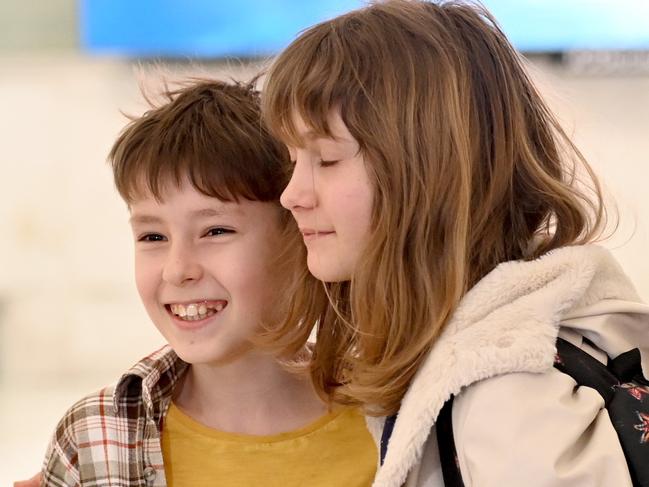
202	213
144	219
221	211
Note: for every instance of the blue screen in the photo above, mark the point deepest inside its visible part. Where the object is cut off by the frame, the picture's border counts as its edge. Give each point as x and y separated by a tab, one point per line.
200	28
251	28
561	25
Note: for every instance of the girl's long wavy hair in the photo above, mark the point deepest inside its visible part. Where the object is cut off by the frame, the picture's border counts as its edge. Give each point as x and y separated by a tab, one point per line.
469	166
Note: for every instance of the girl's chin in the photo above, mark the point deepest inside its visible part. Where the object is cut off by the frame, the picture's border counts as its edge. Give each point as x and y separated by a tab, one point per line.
329	273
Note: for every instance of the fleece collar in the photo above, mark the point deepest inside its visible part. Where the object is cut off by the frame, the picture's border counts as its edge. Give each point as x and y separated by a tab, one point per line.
507	323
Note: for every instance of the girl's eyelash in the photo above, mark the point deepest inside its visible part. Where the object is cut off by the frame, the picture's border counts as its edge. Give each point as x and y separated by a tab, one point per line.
322	163
328	163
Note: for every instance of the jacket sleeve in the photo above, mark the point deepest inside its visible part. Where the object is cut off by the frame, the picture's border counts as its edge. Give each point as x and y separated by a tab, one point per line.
536	430
60	468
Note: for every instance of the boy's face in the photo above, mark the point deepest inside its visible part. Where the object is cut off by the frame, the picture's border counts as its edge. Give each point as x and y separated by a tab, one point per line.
203	270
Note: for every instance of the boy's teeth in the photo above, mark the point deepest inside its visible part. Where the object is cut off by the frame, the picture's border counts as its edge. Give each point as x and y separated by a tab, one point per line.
196	311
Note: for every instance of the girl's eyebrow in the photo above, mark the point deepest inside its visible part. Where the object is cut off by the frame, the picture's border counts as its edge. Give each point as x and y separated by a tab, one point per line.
340	144
314	136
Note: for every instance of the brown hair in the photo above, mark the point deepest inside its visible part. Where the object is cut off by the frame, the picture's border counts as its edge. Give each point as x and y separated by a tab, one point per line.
470	169
207	131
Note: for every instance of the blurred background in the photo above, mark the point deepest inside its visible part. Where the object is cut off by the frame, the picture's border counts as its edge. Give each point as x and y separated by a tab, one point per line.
70	319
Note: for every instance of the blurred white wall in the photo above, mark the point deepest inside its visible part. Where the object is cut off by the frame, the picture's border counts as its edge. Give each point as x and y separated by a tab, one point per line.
70	319
607	116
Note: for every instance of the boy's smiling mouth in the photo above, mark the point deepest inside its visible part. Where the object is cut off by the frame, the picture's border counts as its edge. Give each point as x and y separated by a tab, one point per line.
196	310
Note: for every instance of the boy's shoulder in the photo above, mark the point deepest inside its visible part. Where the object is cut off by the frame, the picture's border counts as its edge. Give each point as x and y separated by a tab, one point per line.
142	391
108	427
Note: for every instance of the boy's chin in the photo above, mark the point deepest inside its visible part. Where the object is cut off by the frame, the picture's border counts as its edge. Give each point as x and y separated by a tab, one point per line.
205	355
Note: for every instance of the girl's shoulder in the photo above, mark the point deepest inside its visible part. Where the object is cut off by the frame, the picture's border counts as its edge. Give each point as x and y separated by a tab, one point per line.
544	424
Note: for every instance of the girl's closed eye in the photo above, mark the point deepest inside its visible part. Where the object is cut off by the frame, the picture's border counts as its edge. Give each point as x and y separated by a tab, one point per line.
328	163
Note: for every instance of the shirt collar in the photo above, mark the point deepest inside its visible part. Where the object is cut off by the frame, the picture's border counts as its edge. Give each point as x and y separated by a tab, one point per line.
151	381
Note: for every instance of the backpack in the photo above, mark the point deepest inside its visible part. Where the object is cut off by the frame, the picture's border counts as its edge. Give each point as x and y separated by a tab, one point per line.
620	383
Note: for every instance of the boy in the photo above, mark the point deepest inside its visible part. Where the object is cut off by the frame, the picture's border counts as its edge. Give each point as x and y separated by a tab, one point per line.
202	179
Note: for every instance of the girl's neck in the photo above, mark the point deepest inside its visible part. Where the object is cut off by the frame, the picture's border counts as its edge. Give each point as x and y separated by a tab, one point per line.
250	395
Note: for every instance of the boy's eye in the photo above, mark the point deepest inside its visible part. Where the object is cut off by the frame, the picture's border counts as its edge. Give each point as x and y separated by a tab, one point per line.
216	231
151	237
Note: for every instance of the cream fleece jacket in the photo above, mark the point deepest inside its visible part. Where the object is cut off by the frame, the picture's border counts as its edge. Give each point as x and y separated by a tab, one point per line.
517	420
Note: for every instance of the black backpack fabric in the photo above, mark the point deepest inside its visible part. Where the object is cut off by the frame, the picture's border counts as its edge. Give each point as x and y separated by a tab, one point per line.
620	383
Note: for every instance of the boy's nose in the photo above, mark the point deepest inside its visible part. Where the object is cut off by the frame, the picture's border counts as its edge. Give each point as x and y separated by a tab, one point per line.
300	190
181	267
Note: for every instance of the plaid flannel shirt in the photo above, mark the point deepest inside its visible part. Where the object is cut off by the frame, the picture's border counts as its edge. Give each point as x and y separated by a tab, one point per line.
112	437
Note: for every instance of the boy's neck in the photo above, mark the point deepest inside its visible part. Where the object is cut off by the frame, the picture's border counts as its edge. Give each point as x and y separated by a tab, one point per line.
250	395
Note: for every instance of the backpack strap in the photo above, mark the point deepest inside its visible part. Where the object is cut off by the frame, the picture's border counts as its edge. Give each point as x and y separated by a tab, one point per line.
585	369
626	397
446	445
388	426
627	367
447	453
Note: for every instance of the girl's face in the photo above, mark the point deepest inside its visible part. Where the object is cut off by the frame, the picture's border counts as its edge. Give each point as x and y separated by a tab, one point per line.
331	196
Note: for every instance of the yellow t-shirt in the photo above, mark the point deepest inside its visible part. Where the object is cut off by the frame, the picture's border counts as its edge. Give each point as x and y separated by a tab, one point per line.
334	450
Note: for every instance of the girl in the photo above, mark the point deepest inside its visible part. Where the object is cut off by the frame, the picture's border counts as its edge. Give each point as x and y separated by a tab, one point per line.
452	222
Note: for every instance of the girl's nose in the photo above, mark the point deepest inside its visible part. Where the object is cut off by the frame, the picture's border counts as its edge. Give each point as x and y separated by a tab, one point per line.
300	191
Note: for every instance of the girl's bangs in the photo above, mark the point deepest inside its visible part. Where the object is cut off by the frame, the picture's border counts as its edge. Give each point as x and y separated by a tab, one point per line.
306	82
